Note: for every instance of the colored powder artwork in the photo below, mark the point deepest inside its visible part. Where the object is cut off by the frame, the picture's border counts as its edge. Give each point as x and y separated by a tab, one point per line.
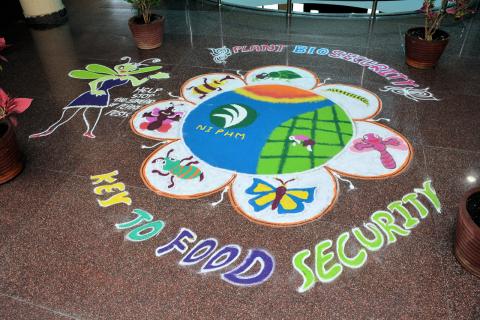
277	139
266	116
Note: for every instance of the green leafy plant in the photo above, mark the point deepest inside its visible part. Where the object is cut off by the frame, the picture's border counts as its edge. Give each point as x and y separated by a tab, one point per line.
457	8
144	8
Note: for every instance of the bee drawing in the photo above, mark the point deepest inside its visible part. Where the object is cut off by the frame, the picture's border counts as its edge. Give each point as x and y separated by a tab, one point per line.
278	75
203	89
279	198
174	168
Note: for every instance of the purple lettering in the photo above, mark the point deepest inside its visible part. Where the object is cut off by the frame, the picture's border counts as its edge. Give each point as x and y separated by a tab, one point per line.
177	243
222	258
238	275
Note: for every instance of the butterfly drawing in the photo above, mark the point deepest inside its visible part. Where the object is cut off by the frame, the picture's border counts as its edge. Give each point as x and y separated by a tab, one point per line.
279	198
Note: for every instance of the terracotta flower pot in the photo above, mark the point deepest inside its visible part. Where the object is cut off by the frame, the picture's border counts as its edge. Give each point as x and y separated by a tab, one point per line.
11	162
423	54
467	239
147	36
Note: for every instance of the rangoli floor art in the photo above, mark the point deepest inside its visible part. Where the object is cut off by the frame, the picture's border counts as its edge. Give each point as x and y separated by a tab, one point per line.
248	168
276	138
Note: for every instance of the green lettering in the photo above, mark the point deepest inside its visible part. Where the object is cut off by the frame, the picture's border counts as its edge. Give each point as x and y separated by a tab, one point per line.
145	231
386	222
298	262
374	244
412	198
321	259
355	262
430	193
410	222
141	216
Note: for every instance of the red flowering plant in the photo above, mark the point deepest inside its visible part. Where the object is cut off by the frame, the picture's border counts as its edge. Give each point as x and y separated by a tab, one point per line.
457	8
3	45
10	106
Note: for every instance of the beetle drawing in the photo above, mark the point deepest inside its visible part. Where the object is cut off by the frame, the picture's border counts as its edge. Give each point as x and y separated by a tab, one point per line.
173	168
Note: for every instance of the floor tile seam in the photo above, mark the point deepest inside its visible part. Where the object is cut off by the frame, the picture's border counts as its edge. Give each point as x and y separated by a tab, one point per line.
382	265
431	146
402	38
444	273
24	301
87	177
67	173
414	234
339	45
110	60
144	188
417	134
14	236
184	56
449	244
288	41
206	67
323	17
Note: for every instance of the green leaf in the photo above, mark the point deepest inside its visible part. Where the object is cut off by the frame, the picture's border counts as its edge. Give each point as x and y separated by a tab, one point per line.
100	69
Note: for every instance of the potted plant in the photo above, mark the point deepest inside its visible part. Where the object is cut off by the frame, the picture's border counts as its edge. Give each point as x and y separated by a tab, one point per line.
146	27
3	46
11	163
424	45
467	238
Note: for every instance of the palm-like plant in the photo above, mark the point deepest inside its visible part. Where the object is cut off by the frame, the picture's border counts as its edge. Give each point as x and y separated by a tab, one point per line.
144	8
433	19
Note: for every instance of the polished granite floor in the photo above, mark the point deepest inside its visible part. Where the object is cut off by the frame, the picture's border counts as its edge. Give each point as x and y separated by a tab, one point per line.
62	257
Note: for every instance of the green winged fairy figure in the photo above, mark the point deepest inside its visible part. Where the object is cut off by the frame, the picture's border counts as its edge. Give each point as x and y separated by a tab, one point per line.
98	97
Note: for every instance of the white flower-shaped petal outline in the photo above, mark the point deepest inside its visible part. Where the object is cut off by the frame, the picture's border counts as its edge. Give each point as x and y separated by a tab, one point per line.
369	162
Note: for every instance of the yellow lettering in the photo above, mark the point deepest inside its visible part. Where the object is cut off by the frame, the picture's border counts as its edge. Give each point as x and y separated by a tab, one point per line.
219	131
229	134
108	177
118	198
209	129
242	135
200	127
109	188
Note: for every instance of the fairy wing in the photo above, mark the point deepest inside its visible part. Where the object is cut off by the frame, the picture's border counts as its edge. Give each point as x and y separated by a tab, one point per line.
265	194
85	75
294	199
98	68
145	69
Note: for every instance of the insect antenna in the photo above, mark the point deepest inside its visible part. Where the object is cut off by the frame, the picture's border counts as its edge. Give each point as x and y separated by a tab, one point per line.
126	58
284	183
168	154
142	63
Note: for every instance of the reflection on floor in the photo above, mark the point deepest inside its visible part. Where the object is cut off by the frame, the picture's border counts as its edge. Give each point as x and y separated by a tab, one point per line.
248	168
